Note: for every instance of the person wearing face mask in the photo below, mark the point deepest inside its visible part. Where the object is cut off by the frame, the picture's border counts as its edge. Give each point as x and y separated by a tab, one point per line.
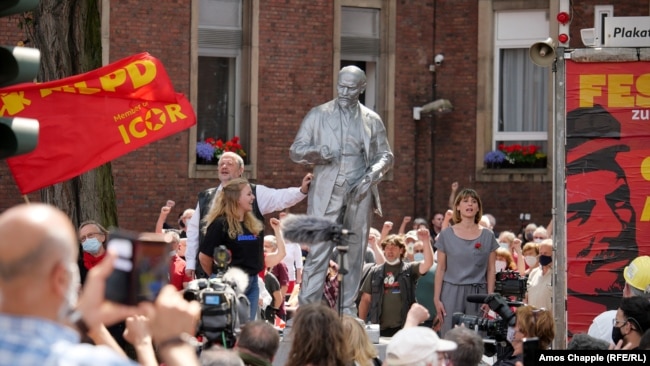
389	289
637	283
631	321
92	237
509	241
504	261
528	232
540	291
530	252
410	238
540	234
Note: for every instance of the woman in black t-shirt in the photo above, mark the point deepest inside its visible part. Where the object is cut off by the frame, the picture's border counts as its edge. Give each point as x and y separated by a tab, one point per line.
231	223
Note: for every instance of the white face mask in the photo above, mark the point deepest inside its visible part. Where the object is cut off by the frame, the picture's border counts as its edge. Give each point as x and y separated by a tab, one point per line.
531	260
418	257
392	263
504	245
500	266
538	240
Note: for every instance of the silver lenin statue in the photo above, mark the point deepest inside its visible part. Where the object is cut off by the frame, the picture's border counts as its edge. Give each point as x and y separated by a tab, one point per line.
347	144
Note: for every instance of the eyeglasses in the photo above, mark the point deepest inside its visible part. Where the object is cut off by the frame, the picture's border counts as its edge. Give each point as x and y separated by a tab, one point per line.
89	235
616	322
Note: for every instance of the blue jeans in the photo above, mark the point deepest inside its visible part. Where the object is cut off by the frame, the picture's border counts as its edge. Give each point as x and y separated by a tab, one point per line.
253	295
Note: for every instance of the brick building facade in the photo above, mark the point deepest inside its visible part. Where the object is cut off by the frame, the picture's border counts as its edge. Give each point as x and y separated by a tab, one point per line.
291	53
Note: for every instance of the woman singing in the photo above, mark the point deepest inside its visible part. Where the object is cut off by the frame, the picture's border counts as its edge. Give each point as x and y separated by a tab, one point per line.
466	260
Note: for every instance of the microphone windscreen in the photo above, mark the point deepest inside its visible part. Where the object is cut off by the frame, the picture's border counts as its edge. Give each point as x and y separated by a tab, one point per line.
237	278
306	229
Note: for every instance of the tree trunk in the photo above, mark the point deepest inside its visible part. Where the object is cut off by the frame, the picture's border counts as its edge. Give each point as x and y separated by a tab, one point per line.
68	34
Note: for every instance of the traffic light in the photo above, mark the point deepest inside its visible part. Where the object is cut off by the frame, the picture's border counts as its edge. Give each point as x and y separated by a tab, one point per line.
17	65
17	136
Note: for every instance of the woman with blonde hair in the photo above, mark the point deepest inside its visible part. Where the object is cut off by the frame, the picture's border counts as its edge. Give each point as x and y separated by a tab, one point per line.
364	352
231	223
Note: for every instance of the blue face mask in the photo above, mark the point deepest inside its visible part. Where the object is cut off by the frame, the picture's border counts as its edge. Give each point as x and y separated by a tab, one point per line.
91	245
418	257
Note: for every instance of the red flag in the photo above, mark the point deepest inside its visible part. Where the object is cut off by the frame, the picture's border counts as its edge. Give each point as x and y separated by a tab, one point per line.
90	119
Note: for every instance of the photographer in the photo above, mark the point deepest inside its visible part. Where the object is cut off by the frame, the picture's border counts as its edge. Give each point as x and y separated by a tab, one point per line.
531	322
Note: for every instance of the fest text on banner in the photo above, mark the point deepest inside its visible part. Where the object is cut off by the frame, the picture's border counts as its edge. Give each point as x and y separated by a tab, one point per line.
90	119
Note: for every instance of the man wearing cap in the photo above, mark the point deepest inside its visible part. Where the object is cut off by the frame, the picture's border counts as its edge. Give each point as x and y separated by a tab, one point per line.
601	230
389	289
417	346
637	283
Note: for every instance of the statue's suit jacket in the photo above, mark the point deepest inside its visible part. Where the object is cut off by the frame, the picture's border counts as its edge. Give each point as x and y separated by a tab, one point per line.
320	128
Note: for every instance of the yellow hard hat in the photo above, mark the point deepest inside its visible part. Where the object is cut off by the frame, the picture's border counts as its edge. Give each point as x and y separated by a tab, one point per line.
637	274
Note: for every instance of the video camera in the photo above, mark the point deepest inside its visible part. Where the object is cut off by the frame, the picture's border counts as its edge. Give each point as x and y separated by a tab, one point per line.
510	283
224	307
492	329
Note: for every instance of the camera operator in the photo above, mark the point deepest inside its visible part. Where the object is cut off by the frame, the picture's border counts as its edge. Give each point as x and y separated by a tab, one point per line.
531	322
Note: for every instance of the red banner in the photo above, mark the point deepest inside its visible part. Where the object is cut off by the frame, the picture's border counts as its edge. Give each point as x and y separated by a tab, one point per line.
608	182
90	119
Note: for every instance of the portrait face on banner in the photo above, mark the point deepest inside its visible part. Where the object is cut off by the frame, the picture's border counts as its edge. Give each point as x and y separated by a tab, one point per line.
602	201
606	186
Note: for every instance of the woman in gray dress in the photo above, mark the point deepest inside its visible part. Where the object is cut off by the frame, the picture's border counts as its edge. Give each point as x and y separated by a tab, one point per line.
466	260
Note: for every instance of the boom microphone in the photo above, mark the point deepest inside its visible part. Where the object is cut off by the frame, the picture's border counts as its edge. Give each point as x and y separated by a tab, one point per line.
305	229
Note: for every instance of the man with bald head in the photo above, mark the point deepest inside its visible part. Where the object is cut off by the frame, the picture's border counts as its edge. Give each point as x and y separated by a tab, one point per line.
40	318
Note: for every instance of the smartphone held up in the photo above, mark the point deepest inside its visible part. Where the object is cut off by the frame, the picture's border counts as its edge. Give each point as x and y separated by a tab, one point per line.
141	268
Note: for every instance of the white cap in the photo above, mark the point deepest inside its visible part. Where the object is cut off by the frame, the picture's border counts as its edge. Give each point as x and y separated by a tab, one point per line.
601	326
415	344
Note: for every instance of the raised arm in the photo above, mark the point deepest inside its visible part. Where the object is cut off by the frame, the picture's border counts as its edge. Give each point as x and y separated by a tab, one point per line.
402	227
162	218
274	258
452	194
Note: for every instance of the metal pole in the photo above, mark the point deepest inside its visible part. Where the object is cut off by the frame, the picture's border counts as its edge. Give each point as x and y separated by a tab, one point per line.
559	202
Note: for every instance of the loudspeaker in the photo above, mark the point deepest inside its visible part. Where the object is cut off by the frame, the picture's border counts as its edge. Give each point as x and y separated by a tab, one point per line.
543	53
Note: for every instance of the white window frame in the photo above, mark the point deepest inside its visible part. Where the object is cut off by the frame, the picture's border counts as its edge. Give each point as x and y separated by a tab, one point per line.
515	29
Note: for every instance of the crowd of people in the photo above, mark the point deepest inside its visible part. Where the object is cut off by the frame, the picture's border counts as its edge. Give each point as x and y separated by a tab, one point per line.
412	283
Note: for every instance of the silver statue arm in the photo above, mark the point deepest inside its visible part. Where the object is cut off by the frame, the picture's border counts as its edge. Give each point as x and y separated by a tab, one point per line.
304	151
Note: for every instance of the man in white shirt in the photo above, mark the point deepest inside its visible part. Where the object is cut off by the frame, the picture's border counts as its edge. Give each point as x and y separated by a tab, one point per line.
267	200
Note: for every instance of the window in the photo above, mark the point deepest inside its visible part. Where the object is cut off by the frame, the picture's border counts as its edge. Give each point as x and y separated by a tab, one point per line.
220	40
221	74
360	46
521	88
366	38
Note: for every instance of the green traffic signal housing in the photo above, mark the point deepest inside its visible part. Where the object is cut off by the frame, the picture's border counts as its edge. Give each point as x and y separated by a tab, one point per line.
17	136
18	64
9	7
